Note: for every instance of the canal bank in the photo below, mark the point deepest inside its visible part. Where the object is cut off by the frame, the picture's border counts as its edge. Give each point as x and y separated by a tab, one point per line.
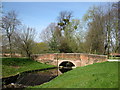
23	72
30	78
98	75
13	67
33	77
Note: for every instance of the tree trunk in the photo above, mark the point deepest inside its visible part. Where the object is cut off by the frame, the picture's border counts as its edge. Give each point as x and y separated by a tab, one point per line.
119	26
28	53
108	50
10	45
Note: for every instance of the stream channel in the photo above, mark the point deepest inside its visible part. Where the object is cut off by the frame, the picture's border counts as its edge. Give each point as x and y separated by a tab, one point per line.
32	78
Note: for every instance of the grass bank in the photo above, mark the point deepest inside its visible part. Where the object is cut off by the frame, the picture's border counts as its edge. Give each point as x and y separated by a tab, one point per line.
99	75
13	66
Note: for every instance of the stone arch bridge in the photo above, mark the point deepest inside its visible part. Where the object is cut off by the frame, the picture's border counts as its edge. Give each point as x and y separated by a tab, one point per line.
74	59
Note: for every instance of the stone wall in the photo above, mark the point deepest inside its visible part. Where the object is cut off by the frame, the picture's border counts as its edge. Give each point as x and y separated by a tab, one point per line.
8	55
80	59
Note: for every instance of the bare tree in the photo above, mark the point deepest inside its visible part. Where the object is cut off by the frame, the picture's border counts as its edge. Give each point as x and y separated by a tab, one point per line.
95	35
119	24
51	35
9	25
47	33
24	40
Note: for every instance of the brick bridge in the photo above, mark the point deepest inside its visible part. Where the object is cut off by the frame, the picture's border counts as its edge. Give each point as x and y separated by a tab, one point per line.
75	59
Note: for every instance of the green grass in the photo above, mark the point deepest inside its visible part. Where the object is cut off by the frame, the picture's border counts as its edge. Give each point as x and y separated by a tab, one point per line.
99	75
14	66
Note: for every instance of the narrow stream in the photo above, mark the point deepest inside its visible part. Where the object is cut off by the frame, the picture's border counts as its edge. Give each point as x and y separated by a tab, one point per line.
32	78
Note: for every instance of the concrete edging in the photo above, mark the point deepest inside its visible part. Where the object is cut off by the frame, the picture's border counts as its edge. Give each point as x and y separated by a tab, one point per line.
113	60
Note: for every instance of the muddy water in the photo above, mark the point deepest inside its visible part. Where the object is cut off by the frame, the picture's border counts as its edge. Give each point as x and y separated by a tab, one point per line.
31	78
37	78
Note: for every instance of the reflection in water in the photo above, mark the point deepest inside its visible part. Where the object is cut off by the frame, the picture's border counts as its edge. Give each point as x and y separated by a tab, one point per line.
65	69
36	78
29	78
66	66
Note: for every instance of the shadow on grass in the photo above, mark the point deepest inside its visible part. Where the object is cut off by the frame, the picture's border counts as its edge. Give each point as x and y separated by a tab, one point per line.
16	61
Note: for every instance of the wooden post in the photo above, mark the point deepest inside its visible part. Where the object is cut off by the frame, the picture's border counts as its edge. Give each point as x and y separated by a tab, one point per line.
57	63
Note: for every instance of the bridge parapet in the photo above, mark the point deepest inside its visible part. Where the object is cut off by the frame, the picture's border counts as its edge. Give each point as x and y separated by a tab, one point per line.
92	58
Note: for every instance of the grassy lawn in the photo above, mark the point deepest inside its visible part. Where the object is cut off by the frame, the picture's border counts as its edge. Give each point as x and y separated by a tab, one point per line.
13	66
99	75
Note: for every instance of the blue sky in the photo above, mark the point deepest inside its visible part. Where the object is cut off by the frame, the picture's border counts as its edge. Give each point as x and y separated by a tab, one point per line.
40	14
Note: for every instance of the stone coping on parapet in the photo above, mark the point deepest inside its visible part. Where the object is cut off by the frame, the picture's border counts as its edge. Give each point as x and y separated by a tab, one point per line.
71	53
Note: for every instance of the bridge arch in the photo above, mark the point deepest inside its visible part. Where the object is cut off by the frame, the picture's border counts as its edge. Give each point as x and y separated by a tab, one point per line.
66	63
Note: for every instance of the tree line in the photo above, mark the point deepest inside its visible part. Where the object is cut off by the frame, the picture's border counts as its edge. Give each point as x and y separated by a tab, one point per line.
96	33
